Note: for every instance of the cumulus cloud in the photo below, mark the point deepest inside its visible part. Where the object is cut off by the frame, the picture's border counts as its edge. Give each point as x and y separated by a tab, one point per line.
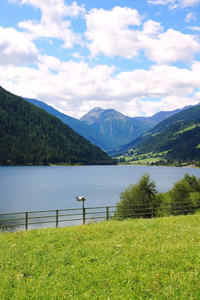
55	21
172	46
16	48
109	33
75	88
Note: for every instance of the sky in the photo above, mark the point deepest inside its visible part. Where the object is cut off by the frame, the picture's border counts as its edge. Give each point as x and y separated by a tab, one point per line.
138	57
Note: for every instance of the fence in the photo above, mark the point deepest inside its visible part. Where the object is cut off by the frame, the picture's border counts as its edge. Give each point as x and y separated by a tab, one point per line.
54	218
71	217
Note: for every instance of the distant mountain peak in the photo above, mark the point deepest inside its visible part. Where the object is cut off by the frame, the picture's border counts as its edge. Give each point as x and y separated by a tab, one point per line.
113	124
92	115
95	109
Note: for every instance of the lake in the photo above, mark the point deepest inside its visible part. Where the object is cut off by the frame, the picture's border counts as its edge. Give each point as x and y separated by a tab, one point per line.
50	188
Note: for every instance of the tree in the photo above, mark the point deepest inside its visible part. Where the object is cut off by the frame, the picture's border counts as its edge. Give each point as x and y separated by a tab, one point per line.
180	198
193	182
138	200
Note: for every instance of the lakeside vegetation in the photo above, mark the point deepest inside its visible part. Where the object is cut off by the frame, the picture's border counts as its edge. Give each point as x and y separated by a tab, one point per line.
142	200
155	159
131	259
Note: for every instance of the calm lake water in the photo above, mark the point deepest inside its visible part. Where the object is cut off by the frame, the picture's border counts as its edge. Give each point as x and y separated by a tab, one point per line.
49	188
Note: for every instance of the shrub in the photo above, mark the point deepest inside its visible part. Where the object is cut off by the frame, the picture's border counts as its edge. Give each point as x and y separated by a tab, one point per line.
193	182
138	200
180	198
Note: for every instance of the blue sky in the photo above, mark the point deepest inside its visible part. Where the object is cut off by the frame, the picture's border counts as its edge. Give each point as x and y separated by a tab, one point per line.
138	57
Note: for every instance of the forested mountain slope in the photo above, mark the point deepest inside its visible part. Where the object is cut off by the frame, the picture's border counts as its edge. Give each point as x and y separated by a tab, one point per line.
88	132
179	142
191	114
31	136
176	138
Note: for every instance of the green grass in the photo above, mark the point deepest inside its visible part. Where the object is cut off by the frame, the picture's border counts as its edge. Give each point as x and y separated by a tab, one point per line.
133	259
146	159
191	127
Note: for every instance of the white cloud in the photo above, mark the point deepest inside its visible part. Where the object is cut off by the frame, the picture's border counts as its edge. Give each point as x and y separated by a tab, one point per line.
53	23
16	48
175	3
151	107
109	32
172	46
195	28
75	88
191	17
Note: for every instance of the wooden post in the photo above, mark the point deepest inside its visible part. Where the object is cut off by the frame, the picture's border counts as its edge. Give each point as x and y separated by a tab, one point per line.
107	213
26	221
83	213
56	218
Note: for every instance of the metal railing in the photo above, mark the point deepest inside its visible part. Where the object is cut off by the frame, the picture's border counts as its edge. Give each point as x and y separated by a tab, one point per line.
54	218
77	216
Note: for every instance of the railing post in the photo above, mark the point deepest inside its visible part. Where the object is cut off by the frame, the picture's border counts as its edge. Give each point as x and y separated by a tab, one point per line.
107	213
26	221
56	218
83	214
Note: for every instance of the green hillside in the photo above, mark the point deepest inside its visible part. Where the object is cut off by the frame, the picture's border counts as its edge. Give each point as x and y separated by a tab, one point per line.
180	142
132	259
175	139
31	136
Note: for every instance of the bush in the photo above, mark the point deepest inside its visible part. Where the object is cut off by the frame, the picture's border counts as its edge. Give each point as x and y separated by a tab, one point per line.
193	182
142	200
138	200
163	205
180	198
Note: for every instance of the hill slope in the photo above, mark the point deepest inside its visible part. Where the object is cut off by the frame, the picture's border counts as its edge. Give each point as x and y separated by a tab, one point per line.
29	135
121	129
178	136
88	132
180	142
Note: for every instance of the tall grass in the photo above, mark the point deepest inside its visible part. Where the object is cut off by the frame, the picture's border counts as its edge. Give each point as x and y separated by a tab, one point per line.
132	259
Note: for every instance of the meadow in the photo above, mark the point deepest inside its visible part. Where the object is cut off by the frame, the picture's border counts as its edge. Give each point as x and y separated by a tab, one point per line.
131	259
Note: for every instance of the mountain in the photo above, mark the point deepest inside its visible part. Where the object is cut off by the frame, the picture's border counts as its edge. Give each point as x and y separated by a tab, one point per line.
116	126
160	116
88	132
31	136
176	138
95	127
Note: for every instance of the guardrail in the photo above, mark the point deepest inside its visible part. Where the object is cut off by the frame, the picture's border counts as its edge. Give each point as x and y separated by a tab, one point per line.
77	216
54	218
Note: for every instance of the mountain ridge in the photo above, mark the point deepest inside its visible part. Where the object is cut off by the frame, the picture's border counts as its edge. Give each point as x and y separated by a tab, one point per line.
88	132
175	138
118	127
31	136
107	128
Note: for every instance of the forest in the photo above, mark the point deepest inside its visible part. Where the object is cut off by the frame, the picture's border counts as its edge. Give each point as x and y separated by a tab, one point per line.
174	141
31	136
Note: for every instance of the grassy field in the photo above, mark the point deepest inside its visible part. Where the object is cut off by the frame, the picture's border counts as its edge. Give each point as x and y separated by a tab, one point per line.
133	259
146	159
